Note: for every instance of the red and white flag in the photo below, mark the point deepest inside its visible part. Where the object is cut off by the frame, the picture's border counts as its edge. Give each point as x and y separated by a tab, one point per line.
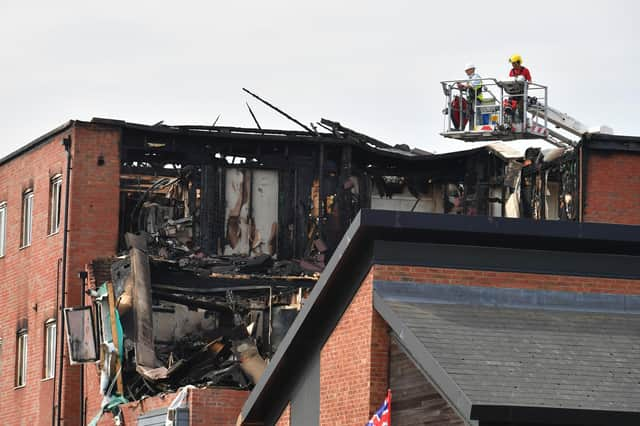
382	417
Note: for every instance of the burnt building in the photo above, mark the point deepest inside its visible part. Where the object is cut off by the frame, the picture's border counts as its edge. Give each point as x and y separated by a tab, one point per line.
201	244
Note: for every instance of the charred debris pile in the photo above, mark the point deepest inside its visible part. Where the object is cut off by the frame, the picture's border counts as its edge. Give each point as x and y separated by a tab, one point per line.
191	319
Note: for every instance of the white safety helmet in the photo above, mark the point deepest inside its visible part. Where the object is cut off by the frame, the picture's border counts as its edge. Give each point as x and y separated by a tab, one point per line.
469	66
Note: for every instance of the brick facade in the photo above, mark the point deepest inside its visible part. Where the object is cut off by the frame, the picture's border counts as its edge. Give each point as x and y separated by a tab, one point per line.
612	187
216	407
354	363
30	276
210	406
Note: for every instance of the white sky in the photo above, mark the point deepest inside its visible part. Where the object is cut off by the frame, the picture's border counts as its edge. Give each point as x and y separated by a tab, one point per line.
373	66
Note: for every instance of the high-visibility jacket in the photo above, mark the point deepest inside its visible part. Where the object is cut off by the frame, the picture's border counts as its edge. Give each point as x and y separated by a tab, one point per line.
475	84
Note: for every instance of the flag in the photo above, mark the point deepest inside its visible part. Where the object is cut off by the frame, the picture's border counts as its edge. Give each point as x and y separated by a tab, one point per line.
382	417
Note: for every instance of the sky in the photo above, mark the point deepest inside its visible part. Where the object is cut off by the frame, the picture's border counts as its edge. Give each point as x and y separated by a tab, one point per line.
373	66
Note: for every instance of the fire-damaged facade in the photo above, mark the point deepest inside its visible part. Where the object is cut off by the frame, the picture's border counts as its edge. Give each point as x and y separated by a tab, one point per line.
202	243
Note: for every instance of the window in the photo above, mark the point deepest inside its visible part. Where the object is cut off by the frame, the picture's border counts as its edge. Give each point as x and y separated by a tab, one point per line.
21	359
3	227
54	205
81	337
50	349
27	217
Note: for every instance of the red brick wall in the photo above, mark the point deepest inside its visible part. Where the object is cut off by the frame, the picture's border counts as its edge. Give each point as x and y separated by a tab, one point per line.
354	363
29	276
214	406
506	279
612	187
93	226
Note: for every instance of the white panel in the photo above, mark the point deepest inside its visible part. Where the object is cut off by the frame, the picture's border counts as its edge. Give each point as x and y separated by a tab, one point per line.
265	211
495	208
404	201
262	187
236	213
551	201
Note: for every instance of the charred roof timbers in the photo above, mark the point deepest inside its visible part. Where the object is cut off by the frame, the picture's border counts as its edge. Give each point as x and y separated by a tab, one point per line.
279	111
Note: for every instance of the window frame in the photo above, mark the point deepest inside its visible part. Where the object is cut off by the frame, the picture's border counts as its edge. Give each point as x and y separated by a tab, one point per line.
55	205
88	342
50	346
3	228
22	343
26	234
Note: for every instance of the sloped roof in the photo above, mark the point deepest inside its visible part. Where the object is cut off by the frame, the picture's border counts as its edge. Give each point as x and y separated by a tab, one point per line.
547	353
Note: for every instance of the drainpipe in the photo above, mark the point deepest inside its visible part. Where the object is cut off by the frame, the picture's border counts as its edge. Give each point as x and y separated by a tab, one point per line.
67	147
53	396
581	171
83	402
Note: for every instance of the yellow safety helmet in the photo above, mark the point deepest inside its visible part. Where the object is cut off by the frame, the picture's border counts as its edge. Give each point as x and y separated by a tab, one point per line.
515	58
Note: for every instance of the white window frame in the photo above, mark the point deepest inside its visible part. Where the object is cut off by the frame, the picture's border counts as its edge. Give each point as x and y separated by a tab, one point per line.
3	228
50	341
21	359
27	218
54	204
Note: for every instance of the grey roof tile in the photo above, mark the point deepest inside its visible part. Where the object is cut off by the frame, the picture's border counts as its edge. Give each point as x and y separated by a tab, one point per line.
532	357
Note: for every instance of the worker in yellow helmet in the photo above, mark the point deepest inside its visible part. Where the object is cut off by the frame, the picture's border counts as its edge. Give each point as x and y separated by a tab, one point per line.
517	68
513	106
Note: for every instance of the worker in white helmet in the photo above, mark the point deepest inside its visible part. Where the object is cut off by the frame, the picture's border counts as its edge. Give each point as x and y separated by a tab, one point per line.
473	85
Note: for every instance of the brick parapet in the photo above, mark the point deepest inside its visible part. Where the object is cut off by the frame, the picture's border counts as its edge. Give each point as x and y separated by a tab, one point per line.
612	188
419	274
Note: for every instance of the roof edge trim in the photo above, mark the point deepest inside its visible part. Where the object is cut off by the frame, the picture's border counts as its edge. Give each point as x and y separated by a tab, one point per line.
37	142
553	415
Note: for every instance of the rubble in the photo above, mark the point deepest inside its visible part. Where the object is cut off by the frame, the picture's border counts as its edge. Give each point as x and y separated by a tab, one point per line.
200	332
